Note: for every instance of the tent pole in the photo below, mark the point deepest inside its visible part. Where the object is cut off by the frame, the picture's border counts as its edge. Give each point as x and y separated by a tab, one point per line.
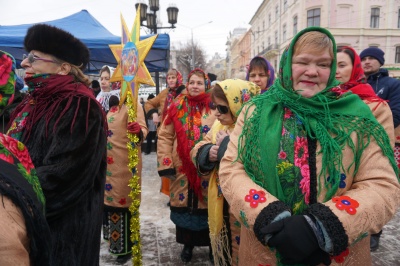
157	83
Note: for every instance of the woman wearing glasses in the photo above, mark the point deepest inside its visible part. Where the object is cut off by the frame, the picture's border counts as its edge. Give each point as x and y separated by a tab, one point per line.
188	120
63	127
228	97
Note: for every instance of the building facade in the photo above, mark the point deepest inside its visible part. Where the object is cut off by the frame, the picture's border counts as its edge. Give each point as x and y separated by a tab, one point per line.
217	66
360	24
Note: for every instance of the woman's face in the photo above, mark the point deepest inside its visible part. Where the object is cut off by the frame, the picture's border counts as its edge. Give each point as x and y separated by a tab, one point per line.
224	118
196	85
258	76
105	81
42	64
310	72
344	67
171	81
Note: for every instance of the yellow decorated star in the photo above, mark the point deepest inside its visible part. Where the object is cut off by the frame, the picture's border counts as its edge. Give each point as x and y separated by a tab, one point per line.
130	55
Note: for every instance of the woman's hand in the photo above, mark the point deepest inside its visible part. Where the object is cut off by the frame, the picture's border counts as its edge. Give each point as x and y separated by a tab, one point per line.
133	128
212	154
220	136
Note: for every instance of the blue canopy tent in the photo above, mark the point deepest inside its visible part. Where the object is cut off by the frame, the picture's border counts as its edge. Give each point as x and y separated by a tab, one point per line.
96	37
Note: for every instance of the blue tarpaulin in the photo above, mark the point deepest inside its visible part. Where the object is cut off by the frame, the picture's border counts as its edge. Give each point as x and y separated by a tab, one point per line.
96	37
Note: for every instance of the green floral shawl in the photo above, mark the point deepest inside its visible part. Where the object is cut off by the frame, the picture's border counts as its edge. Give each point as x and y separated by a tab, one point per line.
327	117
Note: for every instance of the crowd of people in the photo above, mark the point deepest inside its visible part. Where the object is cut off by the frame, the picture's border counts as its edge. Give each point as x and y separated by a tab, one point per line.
292	166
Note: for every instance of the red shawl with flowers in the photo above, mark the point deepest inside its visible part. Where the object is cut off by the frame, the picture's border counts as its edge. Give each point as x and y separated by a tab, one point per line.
358	83
186	115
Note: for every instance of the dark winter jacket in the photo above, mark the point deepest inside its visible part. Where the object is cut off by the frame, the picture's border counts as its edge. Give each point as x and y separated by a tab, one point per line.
387	88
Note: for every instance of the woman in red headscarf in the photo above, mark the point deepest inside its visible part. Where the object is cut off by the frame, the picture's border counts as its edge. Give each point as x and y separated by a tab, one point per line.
349	71
161	102
351	75
187	121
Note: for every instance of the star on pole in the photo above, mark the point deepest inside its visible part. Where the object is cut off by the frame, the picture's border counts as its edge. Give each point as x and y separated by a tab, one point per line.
130	54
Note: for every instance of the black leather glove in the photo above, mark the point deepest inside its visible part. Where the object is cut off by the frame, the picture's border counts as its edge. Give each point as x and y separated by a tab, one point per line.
295	241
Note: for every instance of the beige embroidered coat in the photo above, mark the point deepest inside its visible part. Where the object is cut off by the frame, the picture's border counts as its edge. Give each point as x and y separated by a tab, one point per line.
118	173
168	159
14	240
375	188
233	222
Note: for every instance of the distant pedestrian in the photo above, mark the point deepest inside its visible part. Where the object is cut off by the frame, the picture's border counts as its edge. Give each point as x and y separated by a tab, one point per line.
95	86
152	124
387	88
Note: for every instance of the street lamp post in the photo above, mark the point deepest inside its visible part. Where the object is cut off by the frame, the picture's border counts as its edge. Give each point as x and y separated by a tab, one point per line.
151	23
191	29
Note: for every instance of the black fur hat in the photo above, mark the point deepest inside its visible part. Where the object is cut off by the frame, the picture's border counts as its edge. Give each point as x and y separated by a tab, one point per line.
57	42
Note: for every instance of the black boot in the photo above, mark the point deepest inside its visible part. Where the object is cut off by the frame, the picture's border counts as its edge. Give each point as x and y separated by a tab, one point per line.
374	242
186	254
123	258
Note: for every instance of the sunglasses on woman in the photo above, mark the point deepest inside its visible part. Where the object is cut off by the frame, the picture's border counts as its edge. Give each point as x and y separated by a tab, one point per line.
222	109
32	58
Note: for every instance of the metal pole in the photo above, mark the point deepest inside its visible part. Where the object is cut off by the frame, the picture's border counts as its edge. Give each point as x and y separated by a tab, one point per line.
157	74
192	50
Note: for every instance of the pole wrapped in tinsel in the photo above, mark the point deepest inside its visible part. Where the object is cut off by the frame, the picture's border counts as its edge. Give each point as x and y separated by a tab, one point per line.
132	71
134	184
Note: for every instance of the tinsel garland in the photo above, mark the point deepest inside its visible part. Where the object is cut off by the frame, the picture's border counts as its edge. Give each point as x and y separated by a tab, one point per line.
134	184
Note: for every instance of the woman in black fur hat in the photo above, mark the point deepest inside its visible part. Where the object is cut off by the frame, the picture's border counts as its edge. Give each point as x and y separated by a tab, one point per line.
64	129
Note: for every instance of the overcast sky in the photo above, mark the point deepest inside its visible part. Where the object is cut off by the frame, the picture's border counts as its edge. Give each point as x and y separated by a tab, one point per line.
225	14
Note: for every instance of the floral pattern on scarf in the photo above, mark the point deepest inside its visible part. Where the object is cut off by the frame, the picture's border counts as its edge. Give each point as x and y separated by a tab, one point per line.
292	164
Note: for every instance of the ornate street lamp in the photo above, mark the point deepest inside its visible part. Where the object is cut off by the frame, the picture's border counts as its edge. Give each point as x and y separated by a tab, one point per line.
151	22
151	18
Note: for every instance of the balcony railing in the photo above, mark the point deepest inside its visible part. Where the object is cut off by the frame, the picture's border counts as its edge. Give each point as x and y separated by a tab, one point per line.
269	48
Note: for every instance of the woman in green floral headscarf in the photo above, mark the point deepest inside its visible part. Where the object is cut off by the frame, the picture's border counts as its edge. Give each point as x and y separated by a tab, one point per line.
308	171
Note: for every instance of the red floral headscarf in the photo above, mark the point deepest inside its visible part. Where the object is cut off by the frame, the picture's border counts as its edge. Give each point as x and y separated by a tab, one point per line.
7	79
207	82
179	78
358	83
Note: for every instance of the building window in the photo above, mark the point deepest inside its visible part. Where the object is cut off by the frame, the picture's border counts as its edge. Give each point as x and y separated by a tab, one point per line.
398	19
263	46
263	25
397	58
276	37
217	66
375	17
269	41
295	25
269	19
284	33
276	12
313	17
285	5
